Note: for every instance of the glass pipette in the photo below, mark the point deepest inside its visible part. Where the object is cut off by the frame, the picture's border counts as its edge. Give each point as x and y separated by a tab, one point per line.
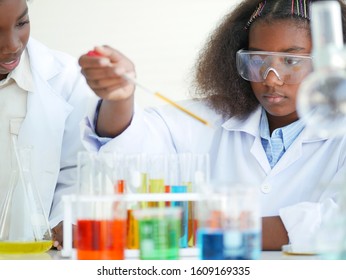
157	94
166	99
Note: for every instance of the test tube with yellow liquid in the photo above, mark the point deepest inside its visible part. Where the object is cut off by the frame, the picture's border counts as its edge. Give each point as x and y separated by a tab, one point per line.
157	174
137	182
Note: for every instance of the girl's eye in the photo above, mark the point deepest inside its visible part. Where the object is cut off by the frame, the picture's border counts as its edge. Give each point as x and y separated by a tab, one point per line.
291	60
22	23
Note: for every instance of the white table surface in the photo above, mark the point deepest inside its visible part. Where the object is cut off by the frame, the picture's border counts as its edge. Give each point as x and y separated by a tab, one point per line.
186	254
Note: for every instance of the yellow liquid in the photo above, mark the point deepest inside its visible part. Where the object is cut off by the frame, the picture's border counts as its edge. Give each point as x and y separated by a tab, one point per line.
143	189
156	186
30	247
132	231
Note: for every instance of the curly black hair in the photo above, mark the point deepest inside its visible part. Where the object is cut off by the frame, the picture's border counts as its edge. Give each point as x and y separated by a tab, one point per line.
215	77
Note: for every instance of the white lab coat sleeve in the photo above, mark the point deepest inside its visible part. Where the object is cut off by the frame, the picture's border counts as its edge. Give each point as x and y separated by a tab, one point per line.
147	133
91	141
301	222
305	220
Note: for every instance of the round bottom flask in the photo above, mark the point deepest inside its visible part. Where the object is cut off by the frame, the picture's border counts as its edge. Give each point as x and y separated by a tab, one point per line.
321	103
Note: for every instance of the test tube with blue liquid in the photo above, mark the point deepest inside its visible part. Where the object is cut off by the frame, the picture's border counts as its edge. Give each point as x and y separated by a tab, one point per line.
179	164
183	240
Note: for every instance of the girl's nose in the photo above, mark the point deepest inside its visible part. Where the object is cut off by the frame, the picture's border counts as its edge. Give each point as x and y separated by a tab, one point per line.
271	77
10	44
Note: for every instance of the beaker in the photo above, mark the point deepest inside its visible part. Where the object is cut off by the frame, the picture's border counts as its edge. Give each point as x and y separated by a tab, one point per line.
100	232
95	217
229	222
159	232
24	227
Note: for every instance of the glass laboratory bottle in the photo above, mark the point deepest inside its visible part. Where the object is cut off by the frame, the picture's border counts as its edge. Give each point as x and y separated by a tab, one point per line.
322	104
24	227
321	100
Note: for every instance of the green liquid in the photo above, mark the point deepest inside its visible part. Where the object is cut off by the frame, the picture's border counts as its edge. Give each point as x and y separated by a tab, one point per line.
159	239
31	247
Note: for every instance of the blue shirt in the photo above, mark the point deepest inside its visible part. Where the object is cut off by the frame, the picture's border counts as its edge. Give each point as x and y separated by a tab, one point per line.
280	140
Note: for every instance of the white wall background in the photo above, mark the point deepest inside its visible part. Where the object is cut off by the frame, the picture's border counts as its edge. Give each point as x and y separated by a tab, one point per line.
162	37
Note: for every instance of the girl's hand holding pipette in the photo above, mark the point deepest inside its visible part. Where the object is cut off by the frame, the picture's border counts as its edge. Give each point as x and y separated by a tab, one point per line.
104	70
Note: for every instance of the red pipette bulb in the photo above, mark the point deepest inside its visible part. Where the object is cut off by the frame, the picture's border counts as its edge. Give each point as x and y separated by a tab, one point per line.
93	53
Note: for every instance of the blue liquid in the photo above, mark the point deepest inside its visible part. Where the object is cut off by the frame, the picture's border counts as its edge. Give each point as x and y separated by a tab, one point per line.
217	244
242	245
210	243
183	241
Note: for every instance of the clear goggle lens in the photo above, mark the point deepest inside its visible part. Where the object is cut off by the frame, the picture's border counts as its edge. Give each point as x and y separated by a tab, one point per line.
255	66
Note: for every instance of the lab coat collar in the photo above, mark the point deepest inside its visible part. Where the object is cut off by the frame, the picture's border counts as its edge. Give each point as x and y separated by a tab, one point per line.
43	65
249	125
21	74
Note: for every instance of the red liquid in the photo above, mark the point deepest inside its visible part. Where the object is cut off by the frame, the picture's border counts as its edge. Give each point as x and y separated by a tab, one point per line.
195	228
167	190
100	240
191	230
120	186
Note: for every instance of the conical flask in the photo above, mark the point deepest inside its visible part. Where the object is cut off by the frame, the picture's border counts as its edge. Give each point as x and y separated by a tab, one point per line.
24	227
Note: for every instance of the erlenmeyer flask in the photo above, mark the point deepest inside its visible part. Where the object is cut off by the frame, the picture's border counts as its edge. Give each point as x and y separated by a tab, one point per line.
24	227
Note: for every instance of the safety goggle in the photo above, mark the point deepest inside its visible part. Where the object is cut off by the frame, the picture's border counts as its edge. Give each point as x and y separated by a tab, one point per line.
255	66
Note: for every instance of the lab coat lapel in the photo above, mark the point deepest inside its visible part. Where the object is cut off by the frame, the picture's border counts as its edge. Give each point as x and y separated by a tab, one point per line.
250	126
46	115
295	151
44	123
258	152
43	129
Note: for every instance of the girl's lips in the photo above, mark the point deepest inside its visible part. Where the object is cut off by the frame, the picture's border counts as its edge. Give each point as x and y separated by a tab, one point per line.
10	65
273	98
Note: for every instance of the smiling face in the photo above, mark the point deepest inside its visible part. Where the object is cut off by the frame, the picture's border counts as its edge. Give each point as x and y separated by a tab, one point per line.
277	97
14	34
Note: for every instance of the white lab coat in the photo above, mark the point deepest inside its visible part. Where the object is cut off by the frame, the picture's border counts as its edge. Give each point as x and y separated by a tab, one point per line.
299	188
51	126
